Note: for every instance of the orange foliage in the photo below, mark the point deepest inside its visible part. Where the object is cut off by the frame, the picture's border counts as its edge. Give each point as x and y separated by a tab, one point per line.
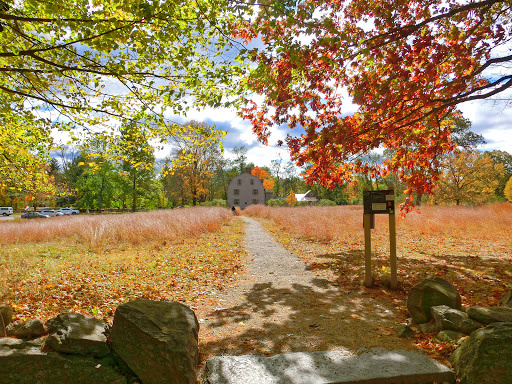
259	173
268	183
406	74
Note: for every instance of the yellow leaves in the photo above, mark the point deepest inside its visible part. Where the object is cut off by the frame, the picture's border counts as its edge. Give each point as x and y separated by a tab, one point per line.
95	281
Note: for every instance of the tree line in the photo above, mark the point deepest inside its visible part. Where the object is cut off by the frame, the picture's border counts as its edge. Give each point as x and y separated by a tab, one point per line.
124	174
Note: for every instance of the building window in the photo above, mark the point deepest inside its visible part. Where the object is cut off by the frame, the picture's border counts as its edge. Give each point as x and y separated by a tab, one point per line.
236	192
239	181
254	191
255	201
236	202
252	181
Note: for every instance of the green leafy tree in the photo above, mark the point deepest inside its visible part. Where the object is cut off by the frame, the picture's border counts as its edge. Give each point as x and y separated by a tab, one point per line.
505	158
72	164
88	63
97	185
138	166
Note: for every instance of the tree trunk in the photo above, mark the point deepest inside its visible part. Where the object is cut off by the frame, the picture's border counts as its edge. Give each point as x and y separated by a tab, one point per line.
100	199
134	192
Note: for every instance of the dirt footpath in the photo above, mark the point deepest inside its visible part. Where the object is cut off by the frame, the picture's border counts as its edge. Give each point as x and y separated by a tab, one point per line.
279	306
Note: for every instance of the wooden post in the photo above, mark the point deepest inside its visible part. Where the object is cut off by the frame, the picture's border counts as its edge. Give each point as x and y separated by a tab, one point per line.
367	250
392	249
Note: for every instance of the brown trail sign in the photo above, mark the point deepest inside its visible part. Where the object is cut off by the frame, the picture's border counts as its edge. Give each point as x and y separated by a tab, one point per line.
379	202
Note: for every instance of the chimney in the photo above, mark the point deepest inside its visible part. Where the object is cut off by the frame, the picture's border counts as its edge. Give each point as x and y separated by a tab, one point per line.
248	170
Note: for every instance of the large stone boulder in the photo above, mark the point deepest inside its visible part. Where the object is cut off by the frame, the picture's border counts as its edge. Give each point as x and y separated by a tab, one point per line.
77	334
157	340
489	315
30	329
447	318
485	357
506	301
448	335
429	293
23	362
6	314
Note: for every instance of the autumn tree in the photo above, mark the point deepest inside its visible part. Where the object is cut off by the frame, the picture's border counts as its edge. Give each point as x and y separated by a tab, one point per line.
406	65
508	190
263	175
196	154
467	177
24	152
291	200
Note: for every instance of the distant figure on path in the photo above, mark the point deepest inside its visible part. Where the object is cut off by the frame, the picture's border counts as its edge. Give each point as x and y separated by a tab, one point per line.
233	209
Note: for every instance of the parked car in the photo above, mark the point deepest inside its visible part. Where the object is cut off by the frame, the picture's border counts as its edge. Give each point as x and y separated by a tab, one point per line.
51	212
6	211
34	215
69	211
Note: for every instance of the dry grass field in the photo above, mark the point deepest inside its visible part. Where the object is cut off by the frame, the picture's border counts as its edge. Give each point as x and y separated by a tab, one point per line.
471	247
91	264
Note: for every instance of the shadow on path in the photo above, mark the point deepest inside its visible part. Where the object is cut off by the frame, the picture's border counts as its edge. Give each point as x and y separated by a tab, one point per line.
271	312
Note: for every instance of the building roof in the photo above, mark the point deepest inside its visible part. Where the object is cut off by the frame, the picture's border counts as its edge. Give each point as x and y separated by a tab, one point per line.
308	196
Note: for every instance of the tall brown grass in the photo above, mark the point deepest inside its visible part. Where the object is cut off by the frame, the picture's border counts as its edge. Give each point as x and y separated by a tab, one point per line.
326	223
132	228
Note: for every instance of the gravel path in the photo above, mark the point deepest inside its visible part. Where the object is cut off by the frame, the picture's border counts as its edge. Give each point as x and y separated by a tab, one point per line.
279	306
272	264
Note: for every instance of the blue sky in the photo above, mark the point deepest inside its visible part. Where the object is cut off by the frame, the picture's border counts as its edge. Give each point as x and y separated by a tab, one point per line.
490	118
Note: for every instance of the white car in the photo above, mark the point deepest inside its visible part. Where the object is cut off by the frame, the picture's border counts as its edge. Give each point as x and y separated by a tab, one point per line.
51	212
69	211
6	211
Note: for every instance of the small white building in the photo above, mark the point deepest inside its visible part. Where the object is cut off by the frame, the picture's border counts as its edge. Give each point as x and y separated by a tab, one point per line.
247	189
308	196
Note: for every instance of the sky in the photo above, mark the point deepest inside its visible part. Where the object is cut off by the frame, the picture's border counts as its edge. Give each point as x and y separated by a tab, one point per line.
491	119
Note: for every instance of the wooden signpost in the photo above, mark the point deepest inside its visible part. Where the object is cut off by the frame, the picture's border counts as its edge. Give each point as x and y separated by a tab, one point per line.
379	202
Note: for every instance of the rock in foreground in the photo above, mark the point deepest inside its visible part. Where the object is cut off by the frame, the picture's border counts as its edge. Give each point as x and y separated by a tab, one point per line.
157	340
485	357
23	362
429	293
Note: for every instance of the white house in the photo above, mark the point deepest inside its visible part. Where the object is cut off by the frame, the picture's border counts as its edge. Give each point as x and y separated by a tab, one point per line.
308	196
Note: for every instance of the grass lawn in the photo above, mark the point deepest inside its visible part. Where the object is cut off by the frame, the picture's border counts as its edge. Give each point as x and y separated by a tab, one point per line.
91	264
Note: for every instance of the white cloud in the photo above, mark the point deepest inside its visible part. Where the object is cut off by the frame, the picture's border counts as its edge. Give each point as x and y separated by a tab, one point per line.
493	120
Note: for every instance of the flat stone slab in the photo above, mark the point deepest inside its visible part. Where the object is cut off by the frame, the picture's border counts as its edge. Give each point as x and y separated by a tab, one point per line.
377	366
